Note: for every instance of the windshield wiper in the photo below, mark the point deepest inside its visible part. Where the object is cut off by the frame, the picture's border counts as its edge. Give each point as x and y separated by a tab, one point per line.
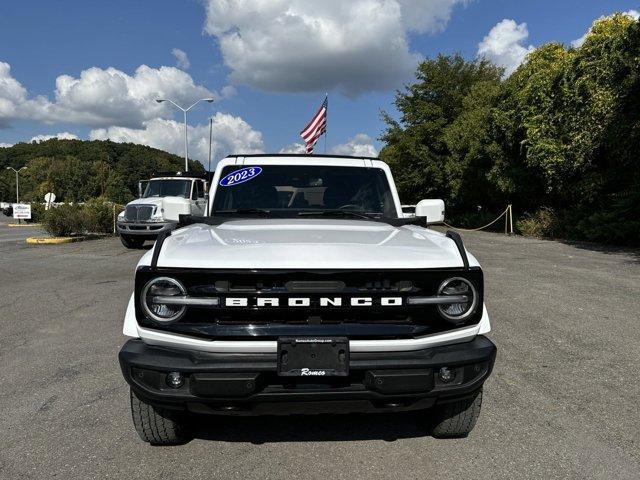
242	211
221	216
346	213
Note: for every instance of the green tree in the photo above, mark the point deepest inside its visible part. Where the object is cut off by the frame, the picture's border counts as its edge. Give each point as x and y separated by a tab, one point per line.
419	145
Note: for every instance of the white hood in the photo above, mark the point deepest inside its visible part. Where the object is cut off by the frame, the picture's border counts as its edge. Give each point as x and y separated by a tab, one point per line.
157	201
307	244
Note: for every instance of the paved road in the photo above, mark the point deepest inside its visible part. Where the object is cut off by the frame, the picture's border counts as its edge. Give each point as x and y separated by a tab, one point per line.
562	402
12	237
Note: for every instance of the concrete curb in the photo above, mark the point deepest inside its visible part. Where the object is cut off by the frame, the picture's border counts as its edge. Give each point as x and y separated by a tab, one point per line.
53	240
13	225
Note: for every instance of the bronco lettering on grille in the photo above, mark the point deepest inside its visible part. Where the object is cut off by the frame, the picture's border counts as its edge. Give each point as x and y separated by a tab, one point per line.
328	302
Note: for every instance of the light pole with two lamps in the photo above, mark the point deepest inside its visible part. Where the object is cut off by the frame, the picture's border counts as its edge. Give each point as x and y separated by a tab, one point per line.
184	111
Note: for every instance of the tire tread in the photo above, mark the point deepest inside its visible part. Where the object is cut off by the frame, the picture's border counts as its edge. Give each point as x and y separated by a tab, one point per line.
155	425
457	419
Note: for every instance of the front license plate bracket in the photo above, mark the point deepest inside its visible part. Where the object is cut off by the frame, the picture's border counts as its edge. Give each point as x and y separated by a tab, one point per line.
313	357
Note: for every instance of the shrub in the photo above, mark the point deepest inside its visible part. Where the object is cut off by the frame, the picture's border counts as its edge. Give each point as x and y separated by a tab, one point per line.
542	224
64	220
37	212
608	227
98	215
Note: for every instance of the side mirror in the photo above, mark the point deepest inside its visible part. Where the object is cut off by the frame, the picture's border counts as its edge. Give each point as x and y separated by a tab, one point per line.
432	210
173	207
141	186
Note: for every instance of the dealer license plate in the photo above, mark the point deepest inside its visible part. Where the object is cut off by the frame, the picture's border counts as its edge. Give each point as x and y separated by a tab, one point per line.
313	357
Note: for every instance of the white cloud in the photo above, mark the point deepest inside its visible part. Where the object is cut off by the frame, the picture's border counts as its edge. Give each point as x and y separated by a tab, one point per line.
228	91
293	148
504	45
101	97
633	14
182	60
579	41
297	45
111	97
59	136
231	134
6	145
12	95
359	146
428	16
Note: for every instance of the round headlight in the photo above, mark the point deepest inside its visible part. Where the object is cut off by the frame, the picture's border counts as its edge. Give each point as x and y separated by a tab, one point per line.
461	288
155	299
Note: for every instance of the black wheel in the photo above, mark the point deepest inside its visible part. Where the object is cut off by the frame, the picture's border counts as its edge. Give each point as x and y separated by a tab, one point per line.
131	242
158	426
456	419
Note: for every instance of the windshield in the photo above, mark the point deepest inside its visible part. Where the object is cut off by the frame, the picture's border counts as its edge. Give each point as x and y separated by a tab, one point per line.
168	188
300	189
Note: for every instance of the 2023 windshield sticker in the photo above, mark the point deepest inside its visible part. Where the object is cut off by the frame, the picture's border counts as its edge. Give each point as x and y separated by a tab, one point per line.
240	176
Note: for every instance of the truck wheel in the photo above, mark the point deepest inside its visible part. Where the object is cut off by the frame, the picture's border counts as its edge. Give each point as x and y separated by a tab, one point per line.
456	419
156	425
131	242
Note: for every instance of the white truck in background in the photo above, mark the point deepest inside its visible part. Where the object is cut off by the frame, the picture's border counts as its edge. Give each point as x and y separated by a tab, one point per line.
161	198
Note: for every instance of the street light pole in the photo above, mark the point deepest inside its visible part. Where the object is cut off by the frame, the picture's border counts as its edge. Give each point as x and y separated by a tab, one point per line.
210	139
186	143
184	111
17	184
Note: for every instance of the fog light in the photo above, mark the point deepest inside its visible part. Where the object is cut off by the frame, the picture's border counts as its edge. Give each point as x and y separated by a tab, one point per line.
175	380
446	375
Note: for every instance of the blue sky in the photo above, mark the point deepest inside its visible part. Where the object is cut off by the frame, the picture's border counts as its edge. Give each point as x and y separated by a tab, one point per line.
271	89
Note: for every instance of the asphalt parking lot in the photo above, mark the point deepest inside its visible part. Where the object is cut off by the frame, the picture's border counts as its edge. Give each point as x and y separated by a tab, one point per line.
563	401
10	237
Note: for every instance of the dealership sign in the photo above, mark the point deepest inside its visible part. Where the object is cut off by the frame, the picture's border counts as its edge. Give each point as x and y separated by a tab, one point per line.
22	211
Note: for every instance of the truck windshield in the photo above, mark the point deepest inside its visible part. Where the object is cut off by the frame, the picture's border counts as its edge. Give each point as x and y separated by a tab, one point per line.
168	188
290	190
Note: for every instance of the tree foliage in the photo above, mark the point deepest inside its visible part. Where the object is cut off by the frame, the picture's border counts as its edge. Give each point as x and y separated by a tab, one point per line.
560	135
433	111
77	170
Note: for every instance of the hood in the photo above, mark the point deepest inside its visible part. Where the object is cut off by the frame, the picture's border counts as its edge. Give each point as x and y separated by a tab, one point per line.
307	244
157	201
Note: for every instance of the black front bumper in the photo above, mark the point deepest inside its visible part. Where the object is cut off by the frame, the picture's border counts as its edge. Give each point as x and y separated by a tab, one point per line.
242	383
148	230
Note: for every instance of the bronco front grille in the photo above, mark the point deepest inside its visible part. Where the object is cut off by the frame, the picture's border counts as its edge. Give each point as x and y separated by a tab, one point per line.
253	320
138	213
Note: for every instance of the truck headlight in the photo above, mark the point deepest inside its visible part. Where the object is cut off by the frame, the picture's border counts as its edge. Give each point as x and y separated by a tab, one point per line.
458	311
121	216
156	299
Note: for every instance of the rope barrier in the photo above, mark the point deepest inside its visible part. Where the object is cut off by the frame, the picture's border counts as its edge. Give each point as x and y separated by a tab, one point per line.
508	222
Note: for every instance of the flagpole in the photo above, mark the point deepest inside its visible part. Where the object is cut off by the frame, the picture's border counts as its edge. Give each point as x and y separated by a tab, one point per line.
326	125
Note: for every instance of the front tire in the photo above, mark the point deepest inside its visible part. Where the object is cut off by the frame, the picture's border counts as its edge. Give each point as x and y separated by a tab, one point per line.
456	419
131	242
156	425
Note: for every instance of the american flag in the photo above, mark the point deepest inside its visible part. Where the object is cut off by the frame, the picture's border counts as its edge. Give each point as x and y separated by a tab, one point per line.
316	127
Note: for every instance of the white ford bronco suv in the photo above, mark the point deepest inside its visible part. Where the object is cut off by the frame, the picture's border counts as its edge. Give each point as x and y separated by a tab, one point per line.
304	289
146	217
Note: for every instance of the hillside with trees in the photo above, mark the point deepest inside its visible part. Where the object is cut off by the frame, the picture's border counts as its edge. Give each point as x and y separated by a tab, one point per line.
78	170
559	139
